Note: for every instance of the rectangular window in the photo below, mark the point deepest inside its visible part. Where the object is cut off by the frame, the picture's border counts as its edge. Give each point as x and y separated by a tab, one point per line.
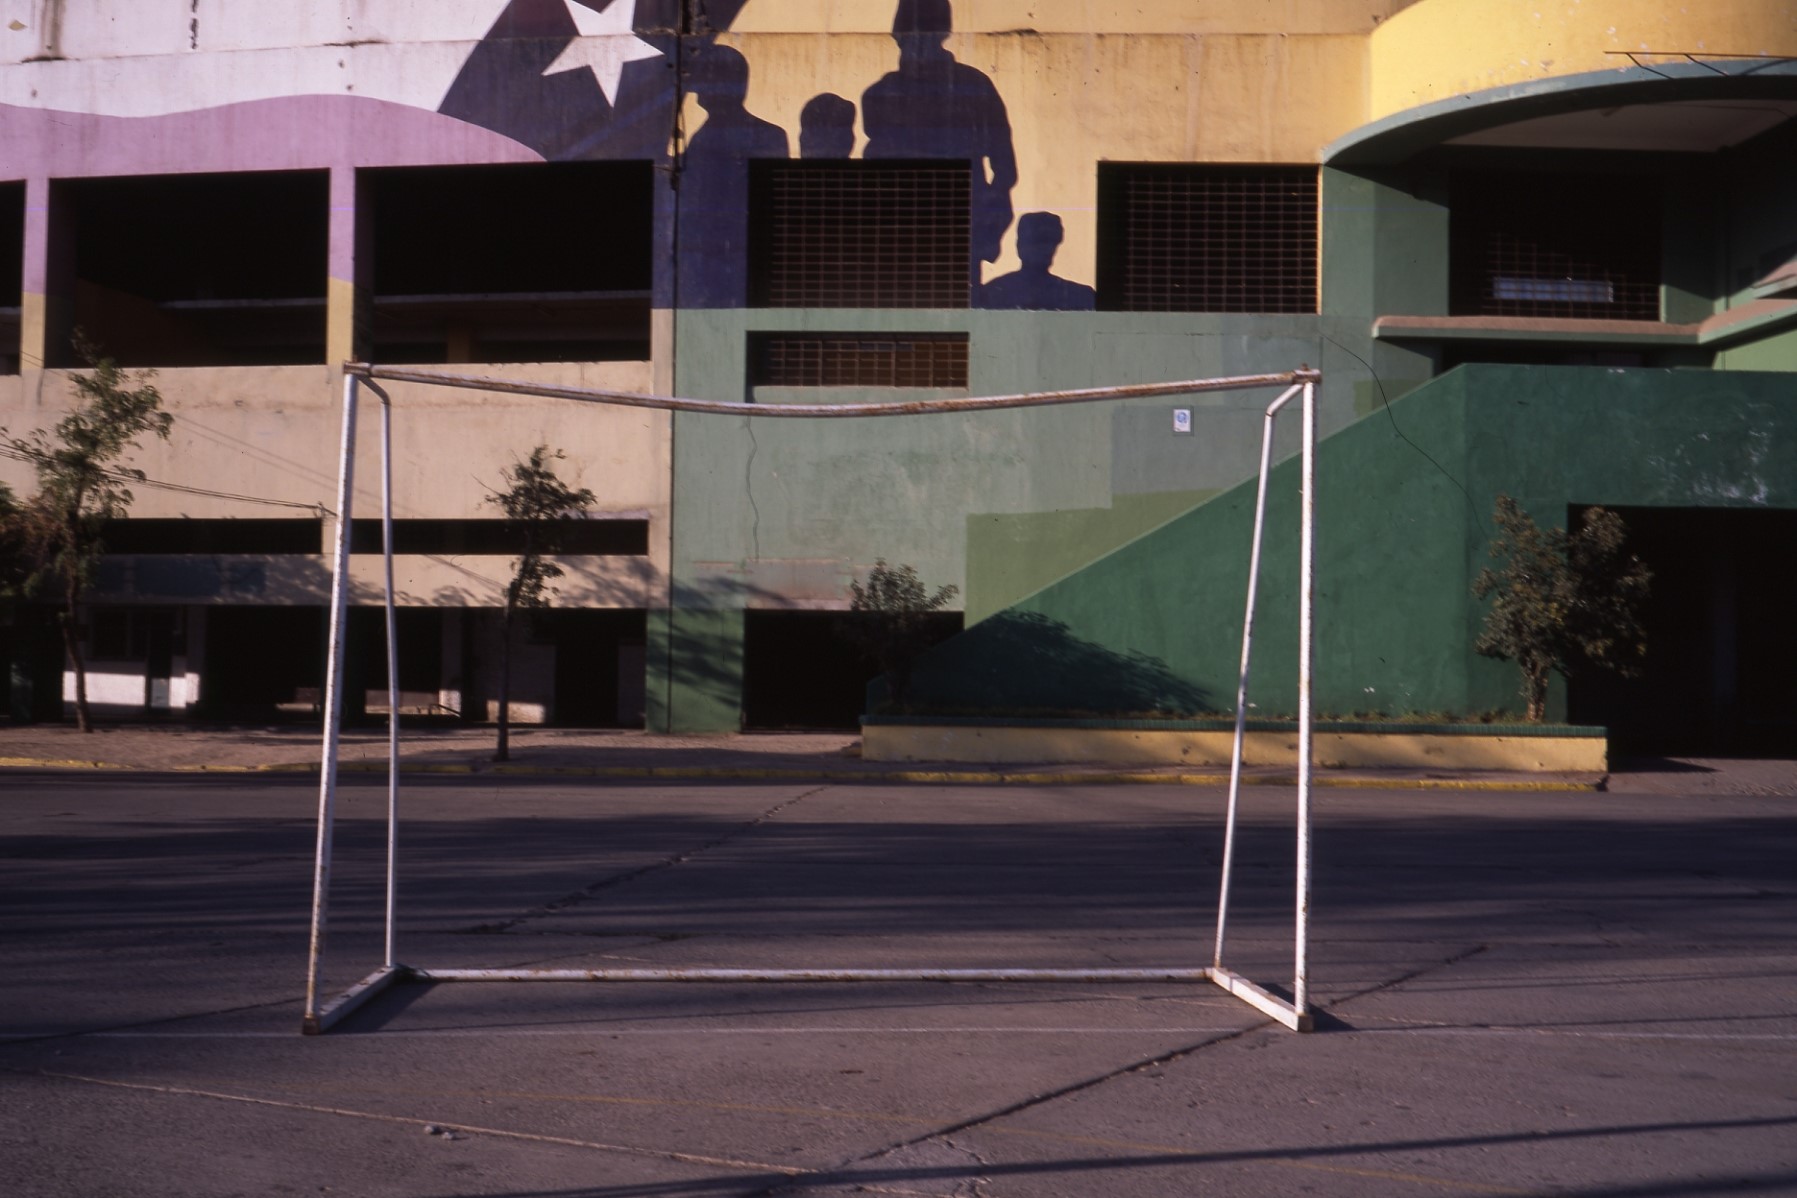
1204	238
157	536
530	262
858	360
600	536
192	270
12	269
1554	246
859	234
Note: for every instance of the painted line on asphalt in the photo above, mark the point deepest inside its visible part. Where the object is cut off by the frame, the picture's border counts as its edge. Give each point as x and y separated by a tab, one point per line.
406	1121
845	1173
686	1031
1720	1037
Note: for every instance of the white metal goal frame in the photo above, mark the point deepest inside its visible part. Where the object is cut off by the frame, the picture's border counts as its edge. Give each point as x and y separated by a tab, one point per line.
1294	1013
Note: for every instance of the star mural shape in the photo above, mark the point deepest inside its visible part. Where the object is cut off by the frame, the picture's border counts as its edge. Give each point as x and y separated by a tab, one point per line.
607	41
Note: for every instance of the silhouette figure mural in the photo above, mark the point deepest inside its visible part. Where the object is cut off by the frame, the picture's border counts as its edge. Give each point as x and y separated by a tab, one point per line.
1039	235
827	127
714	180
577	79
936	107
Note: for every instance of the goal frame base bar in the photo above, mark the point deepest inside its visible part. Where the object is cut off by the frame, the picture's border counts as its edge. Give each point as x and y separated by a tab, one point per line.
381	979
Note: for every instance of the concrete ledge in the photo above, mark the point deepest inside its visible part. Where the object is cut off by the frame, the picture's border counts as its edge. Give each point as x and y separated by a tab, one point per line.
1512	747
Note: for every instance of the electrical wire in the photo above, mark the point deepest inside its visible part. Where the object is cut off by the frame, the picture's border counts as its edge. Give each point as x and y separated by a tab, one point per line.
318	509
1385	400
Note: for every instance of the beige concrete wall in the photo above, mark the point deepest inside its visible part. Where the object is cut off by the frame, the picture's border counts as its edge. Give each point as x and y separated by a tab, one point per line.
273	434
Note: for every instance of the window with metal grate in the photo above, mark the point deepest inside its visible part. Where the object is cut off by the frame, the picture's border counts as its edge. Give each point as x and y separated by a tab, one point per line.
858	360
1554	246
1206	238
859	234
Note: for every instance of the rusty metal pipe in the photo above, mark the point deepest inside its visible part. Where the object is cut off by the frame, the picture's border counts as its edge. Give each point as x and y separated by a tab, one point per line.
918	407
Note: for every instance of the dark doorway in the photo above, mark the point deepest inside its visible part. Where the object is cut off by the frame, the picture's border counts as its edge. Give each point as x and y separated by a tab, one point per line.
599	656
263	662
800	671
1721	669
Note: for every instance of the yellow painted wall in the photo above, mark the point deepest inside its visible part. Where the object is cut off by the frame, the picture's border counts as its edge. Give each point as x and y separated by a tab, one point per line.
1436	49
1083	16
1074	101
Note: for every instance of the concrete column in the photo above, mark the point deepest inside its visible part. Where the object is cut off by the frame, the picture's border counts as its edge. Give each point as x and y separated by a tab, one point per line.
347	292
47	283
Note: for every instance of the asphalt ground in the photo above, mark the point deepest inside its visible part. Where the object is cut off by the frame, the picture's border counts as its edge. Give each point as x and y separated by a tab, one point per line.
1571	993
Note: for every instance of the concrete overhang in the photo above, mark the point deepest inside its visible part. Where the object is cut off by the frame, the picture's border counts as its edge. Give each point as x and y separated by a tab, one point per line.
1683	106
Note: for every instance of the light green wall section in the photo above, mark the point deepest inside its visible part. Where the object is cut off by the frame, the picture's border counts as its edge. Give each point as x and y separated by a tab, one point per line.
694	669
754	494
772	512
1403	526
1690	272
1385	243
1009	557
1777	352
1761	181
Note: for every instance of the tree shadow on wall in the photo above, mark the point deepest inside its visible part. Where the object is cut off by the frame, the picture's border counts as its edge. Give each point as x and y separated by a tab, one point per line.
1026	662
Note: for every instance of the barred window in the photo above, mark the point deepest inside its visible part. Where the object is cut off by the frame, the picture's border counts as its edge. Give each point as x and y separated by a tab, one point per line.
859	234
1554	246
858	360
1205	238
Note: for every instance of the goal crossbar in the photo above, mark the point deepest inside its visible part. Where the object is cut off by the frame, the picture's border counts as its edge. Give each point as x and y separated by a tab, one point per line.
320	1017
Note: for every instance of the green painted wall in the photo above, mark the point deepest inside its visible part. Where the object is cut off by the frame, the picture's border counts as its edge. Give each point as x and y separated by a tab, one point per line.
1011	556
770	512
1775	352
1406	498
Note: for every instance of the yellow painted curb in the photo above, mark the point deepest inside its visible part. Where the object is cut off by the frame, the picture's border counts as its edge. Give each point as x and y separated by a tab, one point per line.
912	777
51	763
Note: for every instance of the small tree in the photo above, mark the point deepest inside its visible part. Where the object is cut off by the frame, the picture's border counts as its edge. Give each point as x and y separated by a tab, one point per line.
1562	599
81	486
534	500
895	626
14	565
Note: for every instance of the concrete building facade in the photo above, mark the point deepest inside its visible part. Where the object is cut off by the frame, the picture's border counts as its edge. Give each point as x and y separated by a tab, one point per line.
1448	206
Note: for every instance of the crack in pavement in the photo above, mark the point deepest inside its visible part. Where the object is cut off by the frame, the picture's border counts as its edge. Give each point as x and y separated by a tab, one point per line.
592	890
844	1173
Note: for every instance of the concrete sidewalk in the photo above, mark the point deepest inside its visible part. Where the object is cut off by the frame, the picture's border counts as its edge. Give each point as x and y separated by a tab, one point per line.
623	753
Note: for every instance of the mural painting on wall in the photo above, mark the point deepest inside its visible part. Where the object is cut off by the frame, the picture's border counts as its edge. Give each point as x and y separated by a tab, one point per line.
523	82
604	79
546	74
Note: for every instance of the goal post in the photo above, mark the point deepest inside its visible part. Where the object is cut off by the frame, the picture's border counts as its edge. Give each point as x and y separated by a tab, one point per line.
320	1016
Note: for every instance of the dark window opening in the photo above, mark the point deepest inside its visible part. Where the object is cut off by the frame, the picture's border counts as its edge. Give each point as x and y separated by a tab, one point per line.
1201	238
158	536
600	657
12	270
859	234
265	662
545	262
501	538
800	671
1554	246
858	360
191	270
1717	677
